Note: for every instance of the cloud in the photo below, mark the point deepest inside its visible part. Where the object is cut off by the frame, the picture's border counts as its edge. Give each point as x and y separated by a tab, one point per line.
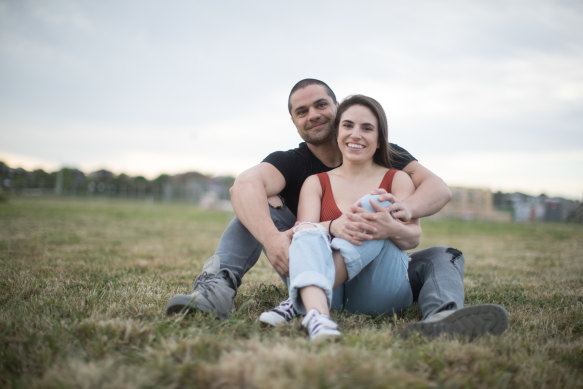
147	86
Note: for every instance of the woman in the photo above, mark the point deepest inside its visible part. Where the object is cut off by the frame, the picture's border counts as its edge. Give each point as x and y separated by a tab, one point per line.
371	277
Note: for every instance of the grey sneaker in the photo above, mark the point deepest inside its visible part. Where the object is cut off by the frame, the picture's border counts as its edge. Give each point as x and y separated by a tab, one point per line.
214	292
473	321
320	326
283	313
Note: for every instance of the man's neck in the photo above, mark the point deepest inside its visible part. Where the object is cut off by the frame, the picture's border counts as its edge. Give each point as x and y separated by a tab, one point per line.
327	153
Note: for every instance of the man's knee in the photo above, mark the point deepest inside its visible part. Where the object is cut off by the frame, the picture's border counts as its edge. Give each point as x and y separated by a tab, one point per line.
435	264
457	257
439	254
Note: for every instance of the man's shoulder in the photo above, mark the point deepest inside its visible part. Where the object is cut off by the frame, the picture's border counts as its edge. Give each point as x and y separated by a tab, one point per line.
400	157
302	151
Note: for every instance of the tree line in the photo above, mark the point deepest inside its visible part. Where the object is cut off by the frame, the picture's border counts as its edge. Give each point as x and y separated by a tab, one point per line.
191	186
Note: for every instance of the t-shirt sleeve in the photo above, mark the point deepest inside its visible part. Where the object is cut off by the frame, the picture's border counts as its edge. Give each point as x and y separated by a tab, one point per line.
400	157
281	161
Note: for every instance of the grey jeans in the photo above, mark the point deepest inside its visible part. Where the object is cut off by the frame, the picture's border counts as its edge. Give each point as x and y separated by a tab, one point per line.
436	274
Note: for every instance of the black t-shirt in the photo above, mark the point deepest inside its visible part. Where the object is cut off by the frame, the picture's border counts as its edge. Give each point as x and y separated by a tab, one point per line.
298	164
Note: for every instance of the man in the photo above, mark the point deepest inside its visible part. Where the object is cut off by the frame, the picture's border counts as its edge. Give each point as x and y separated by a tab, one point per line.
265	199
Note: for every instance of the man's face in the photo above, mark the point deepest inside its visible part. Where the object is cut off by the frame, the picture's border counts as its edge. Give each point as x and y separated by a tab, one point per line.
313	113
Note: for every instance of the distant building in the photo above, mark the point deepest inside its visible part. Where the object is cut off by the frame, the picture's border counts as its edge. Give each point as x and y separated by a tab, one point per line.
558	209
525	208
473	204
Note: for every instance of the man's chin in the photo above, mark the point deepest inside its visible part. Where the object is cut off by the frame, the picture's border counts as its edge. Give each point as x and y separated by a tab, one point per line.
318	141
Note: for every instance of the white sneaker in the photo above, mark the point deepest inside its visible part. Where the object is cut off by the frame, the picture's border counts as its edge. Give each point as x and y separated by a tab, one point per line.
320	326
281	314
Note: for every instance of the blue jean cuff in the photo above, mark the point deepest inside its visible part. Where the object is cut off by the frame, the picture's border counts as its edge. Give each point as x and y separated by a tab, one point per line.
450	305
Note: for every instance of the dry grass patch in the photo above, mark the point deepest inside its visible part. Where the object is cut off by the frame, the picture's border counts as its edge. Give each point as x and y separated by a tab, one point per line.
85	284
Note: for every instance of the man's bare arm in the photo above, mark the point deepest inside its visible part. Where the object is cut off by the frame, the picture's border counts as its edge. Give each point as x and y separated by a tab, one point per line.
431	194
249	196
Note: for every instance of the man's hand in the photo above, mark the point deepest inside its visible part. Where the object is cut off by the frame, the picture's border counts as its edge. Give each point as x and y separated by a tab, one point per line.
398	210
277	251
384	221
353	227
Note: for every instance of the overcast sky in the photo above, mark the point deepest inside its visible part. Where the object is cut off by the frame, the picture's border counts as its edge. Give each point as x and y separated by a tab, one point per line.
484	93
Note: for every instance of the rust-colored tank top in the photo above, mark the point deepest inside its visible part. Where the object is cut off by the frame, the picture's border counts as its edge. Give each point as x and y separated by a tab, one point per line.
329	210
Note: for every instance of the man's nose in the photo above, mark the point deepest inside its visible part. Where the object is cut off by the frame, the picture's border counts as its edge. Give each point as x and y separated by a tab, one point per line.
314	114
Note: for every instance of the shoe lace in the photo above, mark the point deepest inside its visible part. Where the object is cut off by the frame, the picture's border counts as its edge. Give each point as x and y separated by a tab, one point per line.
205	281
319	322
287	309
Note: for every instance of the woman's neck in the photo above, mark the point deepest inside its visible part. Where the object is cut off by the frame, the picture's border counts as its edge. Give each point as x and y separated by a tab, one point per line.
351	169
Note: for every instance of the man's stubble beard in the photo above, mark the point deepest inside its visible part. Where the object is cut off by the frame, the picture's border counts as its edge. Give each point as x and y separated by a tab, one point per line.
321	139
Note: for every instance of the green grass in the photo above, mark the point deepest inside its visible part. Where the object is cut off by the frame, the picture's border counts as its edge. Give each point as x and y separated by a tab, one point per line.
85	283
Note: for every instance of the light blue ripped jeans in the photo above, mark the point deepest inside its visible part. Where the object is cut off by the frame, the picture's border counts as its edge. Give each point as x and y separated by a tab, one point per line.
377	270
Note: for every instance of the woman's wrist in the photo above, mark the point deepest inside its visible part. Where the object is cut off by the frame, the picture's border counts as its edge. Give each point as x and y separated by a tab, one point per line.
330	229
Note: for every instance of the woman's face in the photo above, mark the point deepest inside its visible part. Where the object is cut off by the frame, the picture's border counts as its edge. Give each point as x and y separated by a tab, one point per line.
358	134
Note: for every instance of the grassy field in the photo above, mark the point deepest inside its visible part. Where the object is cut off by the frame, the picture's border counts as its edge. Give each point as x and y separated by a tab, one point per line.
84	285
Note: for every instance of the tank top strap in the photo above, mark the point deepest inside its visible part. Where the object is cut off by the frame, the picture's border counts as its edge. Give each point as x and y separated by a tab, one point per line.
328	210
387	182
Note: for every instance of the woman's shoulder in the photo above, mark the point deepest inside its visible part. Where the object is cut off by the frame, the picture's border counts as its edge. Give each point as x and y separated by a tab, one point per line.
315	179
317	176
333	172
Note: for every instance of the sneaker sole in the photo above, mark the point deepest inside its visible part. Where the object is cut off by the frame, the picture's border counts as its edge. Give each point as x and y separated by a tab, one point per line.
272	319
473	321
326	337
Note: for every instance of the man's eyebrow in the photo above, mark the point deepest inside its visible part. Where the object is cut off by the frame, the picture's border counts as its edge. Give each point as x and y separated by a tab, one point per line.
301	107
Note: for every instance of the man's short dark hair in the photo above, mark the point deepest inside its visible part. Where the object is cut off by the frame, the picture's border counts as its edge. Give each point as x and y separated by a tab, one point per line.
306	82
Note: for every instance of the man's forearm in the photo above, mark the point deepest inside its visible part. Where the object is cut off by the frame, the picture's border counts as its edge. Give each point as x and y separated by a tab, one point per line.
429	198
407	237
250	204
